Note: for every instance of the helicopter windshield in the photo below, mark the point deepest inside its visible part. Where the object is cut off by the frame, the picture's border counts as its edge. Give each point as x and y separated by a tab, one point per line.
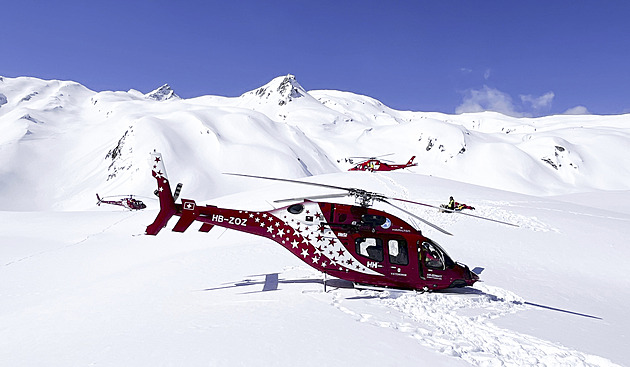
436	257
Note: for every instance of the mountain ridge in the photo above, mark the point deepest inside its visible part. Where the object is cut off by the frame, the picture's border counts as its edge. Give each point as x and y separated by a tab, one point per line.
283	131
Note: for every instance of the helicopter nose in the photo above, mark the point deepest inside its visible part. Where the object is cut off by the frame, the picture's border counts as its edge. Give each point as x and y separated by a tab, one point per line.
470	276
474	277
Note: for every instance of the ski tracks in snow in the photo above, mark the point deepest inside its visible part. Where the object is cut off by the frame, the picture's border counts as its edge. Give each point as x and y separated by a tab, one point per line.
461	325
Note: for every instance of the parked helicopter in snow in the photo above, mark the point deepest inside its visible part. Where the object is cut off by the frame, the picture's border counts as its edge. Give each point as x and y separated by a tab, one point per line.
351	242
375	164
126	201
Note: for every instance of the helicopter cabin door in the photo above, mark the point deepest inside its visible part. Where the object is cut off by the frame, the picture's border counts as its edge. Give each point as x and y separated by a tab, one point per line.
388	254
398	256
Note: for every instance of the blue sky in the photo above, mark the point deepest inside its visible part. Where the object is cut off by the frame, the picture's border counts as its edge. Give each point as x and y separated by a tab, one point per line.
524	58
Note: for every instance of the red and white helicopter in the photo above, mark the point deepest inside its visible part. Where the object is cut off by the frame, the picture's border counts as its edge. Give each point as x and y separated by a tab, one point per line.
365	246
375	164
126	201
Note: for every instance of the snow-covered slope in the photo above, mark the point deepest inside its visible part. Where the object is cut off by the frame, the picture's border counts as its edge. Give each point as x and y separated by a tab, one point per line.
89	288
99	141
82	285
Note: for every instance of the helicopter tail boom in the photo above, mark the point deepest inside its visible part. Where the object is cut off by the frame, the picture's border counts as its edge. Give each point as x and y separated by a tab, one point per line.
167	203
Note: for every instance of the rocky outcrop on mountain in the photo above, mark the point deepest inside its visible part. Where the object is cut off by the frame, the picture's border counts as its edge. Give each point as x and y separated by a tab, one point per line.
163	93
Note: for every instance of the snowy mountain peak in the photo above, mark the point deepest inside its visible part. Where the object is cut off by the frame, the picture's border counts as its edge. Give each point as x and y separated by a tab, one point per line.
282	89
163	93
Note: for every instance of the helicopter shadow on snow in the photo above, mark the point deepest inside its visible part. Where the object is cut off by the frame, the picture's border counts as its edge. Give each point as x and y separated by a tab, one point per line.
272	281
494	298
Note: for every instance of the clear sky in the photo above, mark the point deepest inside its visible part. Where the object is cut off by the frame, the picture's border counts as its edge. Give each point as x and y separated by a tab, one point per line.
524	58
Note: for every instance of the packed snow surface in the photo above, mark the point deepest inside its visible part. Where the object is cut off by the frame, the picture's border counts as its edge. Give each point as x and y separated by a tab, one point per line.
82	285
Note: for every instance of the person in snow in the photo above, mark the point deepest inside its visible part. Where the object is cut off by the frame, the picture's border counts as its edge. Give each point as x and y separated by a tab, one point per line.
451	204
455	206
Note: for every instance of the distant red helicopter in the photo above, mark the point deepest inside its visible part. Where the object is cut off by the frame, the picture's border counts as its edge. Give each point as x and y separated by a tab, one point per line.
365	246
375	164
126	202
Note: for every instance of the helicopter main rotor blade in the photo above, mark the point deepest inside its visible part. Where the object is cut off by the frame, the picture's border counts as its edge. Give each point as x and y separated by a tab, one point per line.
373	157
416	202
417	217
293	181
315	197
456	212
368	196
480	217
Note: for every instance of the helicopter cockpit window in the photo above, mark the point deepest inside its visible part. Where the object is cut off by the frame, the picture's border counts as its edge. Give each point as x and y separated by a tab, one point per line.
371	248
398	252
433	256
